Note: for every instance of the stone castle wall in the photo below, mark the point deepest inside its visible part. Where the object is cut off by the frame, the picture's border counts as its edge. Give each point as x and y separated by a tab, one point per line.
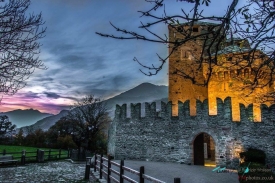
159	136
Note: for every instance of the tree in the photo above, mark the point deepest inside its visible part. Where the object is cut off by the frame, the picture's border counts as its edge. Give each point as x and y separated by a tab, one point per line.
19	137
19	35
5	125
62	130
253	23
90	118
36	138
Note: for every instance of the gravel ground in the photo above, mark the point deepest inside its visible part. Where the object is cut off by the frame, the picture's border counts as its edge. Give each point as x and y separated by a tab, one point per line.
47	172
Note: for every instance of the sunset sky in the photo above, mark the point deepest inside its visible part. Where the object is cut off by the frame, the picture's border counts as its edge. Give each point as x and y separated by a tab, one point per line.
81	62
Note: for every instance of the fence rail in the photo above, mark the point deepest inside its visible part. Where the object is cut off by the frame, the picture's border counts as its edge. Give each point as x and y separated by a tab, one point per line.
108	170
37	156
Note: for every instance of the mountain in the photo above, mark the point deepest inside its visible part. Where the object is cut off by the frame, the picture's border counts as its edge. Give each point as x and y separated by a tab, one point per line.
145	92
47	122
25	117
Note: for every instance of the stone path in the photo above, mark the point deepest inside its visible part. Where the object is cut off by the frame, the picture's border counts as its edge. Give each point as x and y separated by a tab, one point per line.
166	172
47	172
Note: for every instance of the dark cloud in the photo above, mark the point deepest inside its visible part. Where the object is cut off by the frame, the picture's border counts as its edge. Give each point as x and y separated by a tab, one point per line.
119	81
31	95
51	95
56	107
42	79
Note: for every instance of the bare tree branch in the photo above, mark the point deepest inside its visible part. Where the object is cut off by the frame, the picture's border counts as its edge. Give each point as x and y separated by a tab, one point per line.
18	45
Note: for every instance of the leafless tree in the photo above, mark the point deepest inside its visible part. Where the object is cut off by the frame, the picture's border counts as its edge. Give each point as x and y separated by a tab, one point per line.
19	46
253	24
90	119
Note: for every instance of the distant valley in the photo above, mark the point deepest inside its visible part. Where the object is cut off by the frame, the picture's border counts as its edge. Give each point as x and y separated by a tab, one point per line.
145	92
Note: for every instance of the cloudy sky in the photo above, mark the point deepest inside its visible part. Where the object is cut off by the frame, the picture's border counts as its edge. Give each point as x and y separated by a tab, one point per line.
81	62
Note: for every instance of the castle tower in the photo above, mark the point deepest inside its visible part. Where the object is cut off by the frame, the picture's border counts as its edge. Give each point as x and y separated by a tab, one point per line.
222	82
184	59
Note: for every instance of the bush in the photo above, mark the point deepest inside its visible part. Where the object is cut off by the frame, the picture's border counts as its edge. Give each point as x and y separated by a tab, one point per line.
253	155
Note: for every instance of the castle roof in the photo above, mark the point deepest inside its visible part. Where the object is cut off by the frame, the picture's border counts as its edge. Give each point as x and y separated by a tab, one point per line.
197	23
234	39
233	49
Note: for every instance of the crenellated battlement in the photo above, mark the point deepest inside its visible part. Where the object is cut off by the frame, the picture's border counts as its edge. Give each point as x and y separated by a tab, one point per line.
224	111
160	136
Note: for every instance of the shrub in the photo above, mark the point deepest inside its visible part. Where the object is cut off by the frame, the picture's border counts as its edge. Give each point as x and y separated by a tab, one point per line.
253	155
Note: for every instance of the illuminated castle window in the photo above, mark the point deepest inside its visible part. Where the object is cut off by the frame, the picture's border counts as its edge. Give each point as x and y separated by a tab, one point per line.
226	76
183	54
221	75
233	74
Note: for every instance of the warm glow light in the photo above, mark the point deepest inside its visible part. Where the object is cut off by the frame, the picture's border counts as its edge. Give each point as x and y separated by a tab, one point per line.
209	165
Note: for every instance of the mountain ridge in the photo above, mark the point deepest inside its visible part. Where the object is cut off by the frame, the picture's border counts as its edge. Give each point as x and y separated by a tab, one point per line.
21	117
144	92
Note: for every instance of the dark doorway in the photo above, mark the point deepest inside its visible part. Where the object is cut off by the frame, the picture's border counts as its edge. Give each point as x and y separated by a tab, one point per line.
204	150
198	150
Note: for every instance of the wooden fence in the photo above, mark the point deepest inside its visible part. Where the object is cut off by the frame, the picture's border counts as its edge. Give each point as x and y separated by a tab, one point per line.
109	171
37	156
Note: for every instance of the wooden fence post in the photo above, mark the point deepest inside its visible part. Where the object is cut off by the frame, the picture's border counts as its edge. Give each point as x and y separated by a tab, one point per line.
49	156
4	152
23	157
101	166
109	169
37	153
121	171
95	163
141	172
59	153
87	169
176	180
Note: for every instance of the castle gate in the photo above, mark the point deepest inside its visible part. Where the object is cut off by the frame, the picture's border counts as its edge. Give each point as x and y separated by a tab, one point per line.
204	150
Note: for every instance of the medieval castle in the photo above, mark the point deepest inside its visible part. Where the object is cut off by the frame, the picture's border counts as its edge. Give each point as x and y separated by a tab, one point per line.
201	125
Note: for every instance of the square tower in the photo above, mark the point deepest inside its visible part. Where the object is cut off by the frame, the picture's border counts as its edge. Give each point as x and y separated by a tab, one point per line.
188	70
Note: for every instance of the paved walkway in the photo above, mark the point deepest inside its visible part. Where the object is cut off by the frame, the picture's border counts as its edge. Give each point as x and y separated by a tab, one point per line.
166	172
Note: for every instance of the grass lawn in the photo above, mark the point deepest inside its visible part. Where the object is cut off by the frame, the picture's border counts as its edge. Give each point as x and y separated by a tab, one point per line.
16	151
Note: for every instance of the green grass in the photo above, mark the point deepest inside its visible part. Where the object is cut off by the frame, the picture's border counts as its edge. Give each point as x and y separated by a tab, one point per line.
30	151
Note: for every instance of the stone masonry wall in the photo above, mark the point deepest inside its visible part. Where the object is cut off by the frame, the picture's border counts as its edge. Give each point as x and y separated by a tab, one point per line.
159	136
